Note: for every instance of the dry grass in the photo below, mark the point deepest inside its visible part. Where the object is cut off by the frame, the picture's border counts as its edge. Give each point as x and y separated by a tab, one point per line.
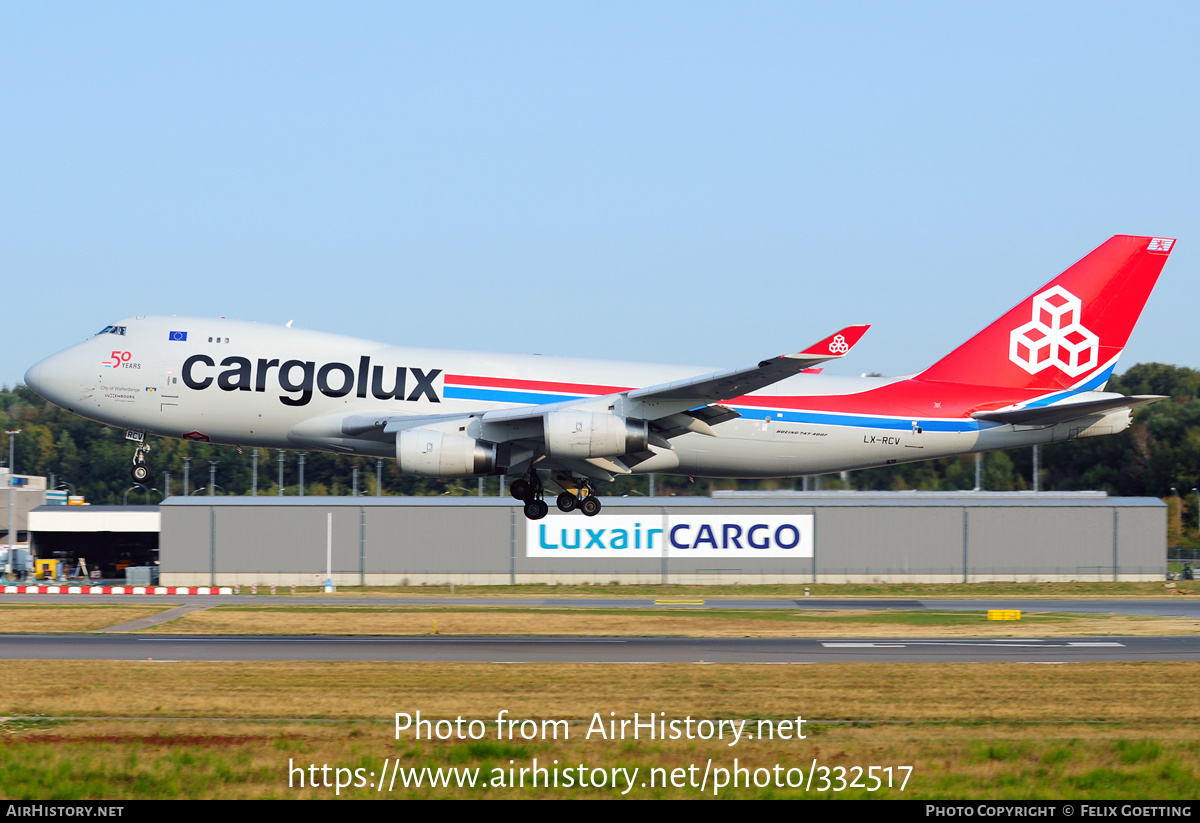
36	618
969	692
333	620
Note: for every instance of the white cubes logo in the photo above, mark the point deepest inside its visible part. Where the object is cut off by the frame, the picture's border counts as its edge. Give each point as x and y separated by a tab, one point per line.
1054	337
838	345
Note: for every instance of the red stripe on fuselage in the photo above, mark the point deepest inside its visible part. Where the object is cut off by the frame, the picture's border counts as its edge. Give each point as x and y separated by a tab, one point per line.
532	385
904	398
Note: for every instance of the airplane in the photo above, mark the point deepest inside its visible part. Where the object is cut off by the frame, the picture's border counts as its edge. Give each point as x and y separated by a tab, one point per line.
1036	375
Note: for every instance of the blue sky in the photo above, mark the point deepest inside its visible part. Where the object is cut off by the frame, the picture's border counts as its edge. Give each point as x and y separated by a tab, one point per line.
673	182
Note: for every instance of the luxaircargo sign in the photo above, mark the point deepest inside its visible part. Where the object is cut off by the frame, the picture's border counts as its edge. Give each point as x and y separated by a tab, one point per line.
726	536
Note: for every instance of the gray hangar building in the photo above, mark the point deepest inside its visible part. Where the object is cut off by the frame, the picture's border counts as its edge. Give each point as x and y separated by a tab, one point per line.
802	537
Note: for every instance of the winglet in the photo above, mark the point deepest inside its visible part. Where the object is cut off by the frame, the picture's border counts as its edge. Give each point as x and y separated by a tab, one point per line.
836	345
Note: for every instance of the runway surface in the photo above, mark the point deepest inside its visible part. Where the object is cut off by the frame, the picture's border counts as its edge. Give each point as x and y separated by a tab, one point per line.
113	646
599	649
1179	606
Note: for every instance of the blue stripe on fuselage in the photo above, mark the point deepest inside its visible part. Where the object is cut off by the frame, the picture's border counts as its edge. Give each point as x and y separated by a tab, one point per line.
1091	385
505	395
511	396
865	422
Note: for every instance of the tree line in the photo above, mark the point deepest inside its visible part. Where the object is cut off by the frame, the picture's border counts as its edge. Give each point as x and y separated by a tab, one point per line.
1159	452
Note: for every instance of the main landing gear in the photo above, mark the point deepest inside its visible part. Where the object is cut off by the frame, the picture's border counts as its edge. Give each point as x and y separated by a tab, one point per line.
529	489
141	472
577	494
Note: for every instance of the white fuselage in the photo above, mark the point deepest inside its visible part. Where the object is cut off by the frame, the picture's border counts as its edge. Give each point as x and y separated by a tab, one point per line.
251	384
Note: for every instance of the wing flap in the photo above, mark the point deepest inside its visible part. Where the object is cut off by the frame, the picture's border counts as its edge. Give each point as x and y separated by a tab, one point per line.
700	421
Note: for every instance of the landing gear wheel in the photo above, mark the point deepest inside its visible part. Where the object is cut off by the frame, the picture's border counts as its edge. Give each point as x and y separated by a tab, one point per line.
536	509
567	502
141	472
590	506
521	489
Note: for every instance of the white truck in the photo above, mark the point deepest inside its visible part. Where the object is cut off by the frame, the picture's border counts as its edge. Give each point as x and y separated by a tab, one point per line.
22	562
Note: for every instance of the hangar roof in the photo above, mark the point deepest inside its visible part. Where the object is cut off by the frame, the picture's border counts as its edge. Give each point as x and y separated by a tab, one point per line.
738	500
94	519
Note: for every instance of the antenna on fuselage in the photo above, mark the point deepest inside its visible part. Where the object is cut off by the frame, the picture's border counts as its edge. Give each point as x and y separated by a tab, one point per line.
288	324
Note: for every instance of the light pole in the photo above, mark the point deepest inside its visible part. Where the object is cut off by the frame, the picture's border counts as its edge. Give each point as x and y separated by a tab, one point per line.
281	472
142	487
12	500
212	477
254	474
1178	513
1197	508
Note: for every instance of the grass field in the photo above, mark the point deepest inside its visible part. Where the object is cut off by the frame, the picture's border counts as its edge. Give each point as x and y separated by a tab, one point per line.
797	590
23	618
450	620
125	730
293	617
160	729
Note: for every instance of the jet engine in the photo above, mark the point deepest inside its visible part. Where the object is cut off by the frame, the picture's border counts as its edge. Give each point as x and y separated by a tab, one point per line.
583	434
430	453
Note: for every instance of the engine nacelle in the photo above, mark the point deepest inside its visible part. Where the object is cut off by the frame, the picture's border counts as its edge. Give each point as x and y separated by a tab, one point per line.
583	434
429	453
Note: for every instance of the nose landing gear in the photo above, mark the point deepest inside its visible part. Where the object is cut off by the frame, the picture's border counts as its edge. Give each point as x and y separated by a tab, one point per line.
141	472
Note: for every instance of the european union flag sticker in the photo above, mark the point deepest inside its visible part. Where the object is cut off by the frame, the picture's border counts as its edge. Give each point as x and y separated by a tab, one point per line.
177	335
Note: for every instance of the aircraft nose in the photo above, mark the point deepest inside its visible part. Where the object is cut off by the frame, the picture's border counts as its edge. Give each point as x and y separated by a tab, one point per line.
34	377
53	377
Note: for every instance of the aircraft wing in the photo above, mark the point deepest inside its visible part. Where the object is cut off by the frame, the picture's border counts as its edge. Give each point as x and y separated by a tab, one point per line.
736	382
696	397
1072	409
668	409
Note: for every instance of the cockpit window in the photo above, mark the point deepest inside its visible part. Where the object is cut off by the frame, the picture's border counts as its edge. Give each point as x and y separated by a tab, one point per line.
112	330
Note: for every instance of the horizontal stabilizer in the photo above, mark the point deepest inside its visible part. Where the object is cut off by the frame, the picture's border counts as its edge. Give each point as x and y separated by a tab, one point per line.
1068	410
